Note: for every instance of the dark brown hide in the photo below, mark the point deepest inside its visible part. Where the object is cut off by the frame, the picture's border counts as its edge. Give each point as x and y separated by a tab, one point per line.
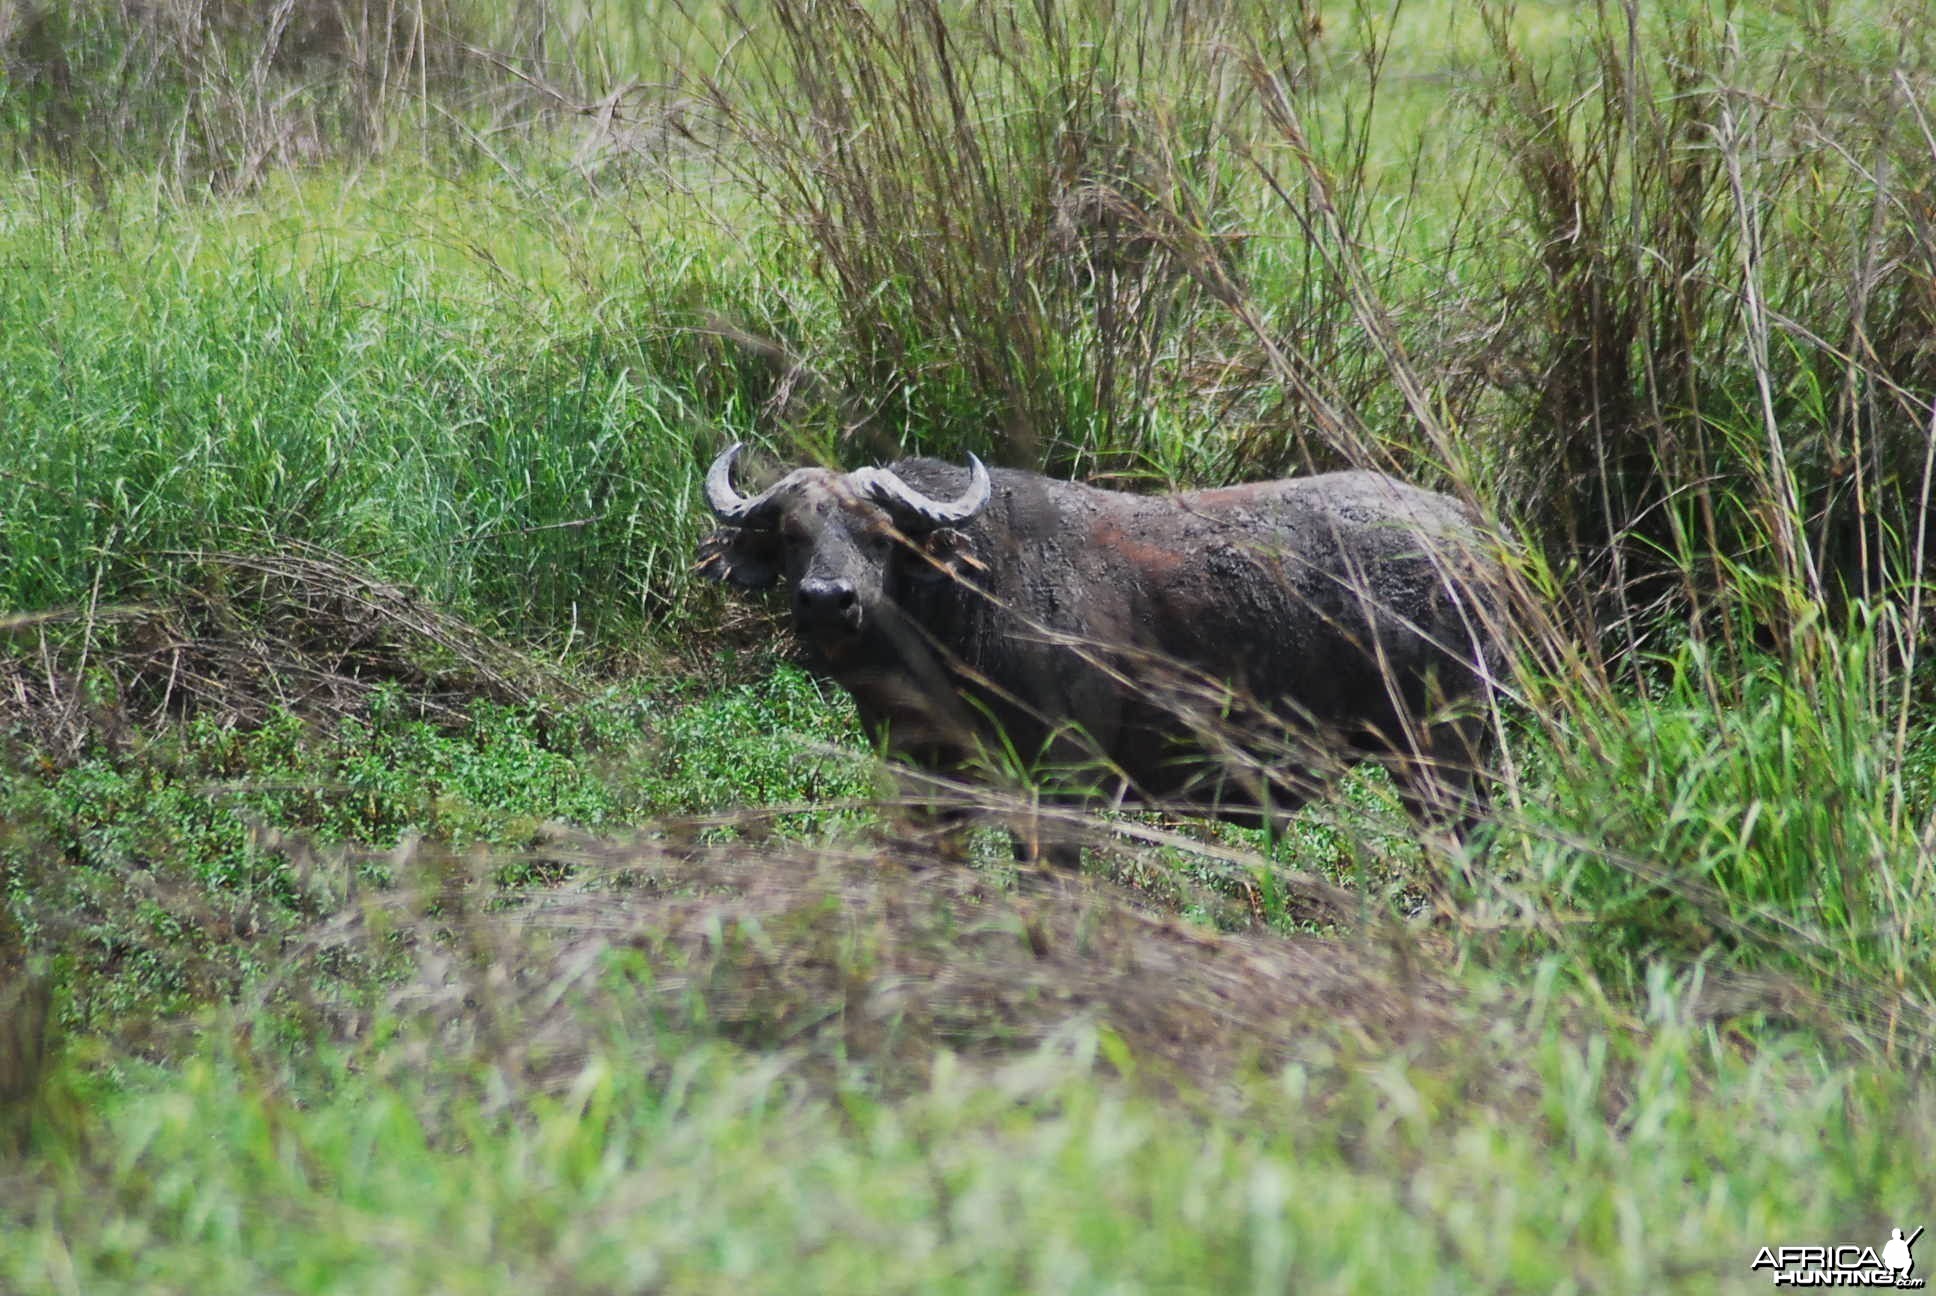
1223	650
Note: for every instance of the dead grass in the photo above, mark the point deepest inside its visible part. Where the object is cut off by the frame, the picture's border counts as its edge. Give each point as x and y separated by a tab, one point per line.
221	92
245	635
871	962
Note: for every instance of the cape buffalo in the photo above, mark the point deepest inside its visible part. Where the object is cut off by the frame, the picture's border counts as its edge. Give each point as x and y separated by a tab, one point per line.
1225	651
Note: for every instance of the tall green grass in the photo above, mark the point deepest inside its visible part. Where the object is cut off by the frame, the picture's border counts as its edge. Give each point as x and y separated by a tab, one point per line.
1740	816
1180	245
178	382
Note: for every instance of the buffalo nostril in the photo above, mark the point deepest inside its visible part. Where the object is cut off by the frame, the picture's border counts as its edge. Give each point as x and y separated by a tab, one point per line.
817	601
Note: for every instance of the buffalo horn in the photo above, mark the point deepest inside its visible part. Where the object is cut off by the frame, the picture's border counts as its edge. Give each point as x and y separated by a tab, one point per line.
729	503
889	491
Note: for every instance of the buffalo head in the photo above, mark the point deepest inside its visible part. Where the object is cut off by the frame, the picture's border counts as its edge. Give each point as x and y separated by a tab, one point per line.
842	541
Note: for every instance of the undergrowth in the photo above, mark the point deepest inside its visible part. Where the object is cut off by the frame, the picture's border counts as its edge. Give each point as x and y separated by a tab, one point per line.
358	373
662	1162
162	877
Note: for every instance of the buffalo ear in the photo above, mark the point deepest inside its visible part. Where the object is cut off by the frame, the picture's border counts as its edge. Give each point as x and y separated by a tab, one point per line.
748	560
945	554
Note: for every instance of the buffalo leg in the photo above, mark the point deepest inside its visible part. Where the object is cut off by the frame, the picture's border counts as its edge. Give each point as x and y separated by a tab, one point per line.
1047	839
1031	848
1443	787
